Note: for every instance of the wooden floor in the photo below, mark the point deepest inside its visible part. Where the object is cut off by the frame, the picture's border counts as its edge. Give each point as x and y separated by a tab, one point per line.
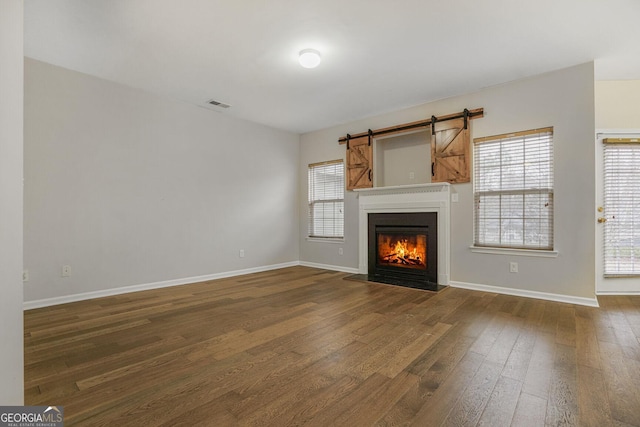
302	346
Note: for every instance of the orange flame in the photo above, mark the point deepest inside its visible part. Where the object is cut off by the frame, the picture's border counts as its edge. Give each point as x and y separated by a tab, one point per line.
402	252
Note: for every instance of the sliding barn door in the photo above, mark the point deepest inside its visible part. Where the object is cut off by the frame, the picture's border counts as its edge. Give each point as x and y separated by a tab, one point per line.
450	152
359	163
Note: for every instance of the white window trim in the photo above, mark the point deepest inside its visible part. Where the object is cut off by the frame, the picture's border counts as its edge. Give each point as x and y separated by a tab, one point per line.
335	240
540	253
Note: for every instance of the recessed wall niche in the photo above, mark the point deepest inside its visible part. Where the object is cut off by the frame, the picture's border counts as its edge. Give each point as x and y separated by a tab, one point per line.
402	159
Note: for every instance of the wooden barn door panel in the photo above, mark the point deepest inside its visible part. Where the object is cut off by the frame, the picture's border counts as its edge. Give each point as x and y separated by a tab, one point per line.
450	152
359	163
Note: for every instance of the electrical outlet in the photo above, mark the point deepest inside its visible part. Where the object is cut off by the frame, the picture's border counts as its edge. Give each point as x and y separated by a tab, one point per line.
66	270
241	253
513	267
412	175
25	275
340	251
454	197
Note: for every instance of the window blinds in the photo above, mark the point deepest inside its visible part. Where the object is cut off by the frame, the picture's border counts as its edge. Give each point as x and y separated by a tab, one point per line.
622	209
513	190
326	199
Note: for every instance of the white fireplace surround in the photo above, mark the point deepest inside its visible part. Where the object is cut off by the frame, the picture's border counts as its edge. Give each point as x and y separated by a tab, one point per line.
407	198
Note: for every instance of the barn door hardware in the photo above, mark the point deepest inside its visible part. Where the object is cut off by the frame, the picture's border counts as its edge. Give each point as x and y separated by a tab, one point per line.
470	114
348	138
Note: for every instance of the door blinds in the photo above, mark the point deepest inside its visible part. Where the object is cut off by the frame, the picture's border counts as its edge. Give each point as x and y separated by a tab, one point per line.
621	208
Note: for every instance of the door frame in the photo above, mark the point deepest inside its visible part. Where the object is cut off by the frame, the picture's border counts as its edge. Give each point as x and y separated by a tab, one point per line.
620	285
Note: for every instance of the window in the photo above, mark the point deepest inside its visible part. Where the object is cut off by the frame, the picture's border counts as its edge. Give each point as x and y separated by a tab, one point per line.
622	209
326	199
513	190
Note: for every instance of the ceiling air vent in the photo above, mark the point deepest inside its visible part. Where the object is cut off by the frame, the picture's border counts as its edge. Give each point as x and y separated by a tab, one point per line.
218	104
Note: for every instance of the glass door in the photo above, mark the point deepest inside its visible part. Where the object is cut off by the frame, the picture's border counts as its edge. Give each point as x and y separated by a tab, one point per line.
618	213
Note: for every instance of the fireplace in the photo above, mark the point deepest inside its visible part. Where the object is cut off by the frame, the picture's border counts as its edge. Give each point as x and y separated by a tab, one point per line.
403	249
432	199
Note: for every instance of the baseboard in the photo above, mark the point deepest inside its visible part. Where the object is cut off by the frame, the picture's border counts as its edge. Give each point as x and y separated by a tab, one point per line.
590	302
612	293
30	305
330	267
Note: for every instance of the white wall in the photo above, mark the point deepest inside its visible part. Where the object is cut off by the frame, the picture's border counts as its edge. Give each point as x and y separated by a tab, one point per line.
563	99
403	159
617	104
130	189
11	135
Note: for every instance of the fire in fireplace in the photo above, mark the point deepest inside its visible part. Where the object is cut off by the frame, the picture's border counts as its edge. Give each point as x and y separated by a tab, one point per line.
403	249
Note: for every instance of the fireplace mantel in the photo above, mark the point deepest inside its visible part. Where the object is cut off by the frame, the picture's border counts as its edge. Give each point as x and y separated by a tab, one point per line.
407	198
438	187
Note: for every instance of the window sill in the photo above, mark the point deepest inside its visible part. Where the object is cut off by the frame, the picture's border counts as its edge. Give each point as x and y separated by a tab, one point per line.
325	239
515	252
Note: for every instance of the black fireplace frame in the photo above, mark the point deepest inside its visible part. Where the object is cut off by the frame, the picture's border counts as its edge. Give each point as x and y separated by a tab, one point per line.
404	223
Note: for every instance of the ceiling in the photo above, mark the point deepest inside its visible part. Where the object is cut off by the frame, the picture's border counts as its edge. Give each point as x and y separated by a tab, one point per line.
378	55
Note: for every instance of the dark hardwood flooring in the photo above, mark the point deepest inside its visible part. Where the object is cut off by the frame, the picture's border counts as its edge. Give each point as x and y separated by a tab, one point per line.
302	346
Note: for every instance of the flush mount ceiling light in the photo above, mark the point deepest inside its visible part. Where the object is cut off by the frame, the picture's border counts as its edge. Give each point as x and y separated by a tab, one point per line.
309	58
